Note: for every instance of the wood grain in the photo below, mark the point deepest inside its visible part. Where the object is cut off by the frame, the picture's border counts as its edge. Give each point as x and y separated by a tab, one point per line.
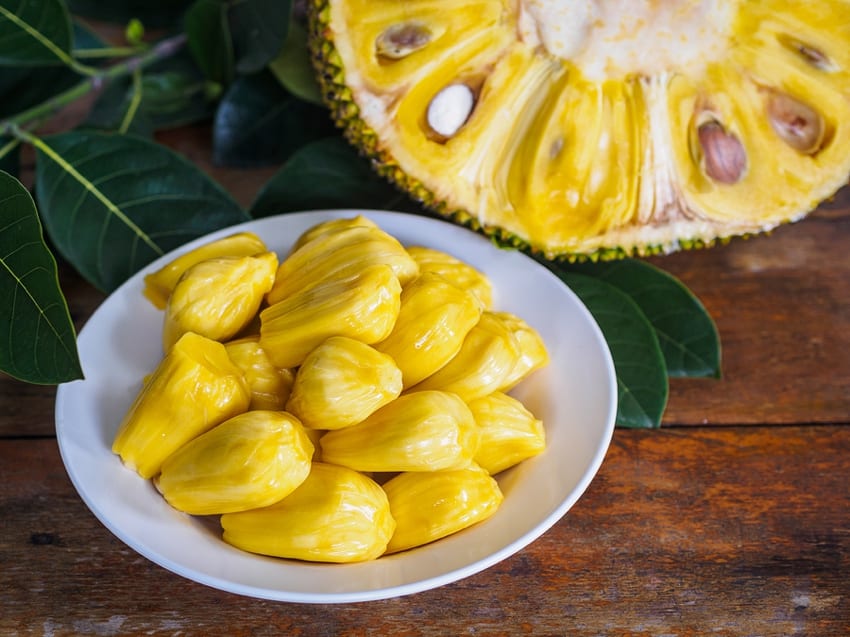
685	531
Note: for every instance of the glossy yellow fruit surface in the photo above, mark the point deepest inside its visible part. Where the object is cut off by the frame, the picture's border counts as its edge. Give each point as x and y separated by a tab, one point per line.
422	431
484	363
455	271
218	297
159	284
194	388
270	386
336	515
434	318
428	506
341	383
509	432
363	306
600	128
251	460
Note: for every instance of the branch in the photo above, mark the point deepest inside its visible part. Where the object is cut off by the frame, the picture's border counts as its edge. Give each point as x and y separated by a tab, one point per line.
95	81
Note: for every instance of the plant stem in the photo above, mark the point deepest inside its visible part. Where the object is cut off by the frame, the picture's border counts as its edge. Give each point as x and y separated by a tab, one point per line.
163	49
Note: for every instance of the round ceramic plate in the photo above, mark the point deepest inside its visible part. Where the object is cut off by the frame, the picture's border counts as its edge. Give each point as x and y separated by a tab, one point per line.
575	396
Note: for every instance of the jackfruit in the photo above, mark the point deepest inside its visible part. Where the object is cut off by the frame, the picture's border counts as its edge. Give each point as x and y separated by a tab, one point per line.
509	432
159	284
454	271
484	363
533	354
341	383
270	386
363	306
335	515
194	388
434	318
596	129
427	506
339	252
249	461
422	431
218	297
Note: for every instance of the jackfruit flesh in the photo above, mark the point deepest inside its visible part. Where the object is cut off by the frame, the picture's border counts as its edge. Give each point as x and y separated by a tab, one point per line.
335	515
427	506
600	128
249	461
509	433
341	383
218	297
160	284
433	319
422	431
270	386
195	387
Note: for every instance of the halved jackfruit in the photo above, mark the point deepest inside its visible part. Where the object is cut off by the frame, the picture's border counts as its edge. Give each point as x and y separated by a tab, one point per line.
600	128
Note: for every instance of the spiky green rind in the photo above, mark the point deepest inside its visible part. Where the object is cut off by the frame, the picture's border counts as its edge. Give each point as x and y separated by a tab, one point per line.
330	72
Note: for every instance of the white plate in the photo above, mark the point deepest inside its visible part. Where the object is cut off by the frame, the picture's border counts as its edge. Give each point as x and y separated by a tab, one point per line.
575	396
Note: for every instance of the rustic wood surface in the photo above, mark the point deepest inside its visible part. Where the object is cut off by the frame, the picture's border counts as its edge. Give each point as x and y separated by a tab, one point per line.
733	519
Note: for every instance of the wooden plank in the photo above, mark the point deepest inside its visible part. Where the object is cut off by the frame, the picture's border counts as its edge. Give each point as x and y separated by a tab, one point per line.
782	307
732	531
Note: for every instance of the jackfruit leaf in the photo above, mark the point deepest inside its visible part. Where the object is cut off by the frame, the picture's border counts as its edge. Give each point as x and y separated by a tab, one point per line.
38	342
293	68
302	183
642	385
152	13
34	33
258	123
209	39
686	333
113	203
22	87
171	93
259	29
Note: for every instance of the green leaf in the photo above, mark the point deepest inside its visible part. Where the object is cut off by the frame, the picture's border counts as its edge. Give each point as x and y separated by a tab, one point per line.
686	333
641	372
258	123
34	33
259	28
23	87
152	13
169	94
328	173
113	203
210	40
38	341
293	68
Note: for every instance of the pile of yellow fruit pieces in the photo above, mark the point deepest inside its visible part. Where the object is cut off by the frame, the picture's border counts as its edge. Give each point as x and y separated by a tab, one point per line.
344	403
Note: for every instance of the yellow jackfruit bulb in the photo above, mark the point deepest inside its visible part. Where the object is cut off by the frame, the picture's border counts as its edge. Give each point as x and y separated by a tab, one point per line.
270	386
331	226
160	284
339	254
218	297
335	515
194	388
533	354
363	306
488	355
428	506
252	460
434	318
423	431
341	383
509	432
455	271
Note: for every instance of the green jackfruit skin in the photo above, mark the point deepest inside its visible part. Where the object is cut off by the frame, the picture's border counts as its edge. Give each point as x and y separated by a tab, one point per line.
330	74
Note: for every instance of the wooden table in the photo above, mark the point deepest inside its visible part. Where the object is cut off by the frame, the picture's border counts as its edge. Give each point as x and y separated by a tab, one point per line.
733	519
